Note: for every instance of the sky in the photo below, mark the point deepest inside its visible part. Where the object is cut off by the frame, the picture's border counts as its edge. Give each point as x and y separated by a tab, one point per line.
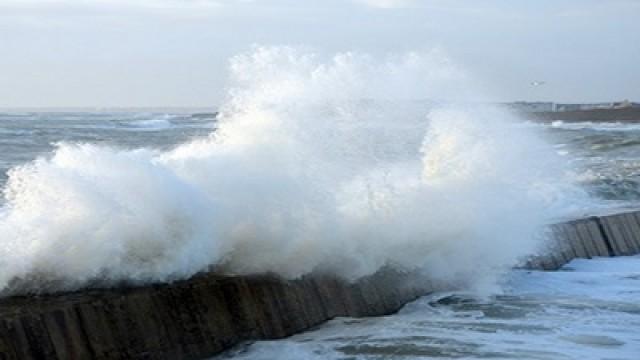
105	53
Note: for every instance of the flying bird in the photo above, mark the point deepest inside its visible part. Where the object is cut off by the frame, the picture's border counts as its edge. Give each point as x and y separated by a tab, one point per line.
537	83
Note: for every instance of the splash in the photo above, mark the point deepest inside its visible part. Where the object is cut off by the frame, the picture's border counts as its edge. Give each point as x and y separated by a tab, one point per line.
331	165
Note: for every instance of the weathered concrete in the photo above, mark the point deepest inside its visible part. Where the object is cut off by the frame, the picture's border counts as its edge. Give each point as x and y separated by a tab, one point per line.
606	235
190	319
601	245
202	316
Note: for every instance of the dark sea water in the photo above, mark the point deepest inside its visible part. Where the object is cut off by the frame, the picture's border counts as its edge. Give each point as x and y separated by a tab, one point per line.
590	310
25	136
606	156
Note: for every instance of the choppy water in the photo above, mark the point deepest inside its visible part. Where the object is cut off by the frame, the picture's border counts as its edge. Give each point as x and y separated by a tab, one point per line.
606	156
25	136
591	310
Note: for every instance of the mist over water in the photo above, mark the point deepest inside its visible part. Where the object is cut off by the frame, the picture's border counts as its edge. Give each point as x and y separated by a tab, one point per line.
331	165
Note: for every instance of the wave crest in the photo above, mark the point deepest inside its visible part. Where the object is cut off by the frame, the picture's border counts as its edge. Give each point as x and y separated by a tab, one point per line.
317	165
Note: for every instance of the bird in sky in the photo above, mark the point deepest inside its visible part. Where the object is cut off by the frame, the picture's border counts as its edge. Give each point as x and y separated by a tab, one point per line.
537	83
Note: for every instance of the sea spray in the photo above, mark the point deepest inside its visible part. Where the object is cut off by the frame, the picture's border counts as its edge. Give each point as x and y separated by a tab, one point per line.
335	165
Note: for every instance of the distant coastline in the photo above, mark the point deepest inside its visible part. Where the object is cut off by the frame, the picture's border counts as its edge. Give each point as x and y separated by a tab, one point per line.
616	111
534	111
631	114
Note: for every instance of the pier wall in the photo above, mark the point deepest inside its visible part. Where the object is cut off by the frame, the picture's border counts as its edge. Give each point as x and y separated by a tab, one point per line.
202	316
191	319
608	235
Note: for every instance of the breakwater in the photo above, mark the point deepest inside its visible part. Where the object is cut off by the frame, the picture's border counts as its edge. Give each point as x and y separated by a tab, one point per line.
202	316
605	236
190	319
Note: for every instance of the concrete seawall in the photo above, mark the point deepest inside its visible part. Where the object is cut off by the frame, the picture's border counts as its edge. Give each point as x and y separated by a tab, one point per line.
202	316
608	235
190	319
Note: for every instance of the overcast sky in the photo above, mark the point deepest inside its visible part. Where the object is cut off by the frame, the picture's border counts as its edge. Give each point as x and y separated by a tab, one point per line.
175	52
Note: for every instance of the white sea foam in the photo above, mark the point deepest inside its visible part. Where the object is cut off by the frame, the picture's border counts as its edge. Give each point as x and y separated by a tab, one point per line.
317	165
151	124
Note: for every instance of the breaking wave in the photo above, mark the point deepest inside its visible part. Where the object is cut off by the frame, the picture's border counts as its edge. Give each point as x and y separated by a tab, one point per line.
328	165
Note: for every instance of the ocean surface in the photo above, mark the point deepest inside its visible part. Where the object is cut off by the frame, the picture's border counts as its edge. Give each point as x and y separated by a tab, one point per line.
589	310
25	136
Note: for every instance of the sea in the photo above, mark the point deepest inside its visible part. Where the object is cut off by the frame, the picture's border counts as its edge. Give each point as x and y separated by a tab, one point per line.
26	135
590	309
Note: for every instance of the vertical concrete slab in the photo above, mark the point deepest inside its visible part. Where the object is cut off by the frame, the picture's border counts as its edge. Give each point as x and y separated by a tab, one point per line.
574	241
622	227
68	340
562	240
18	341
585	238
6	341
598	237
625	233
615	236
633	232
99	334
39	341
636	217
